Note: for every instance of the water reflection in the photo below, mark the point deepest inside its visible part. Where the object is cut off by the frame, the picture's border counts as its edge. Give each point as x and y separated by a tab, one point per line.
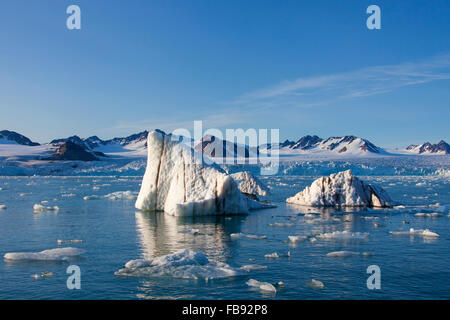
160	234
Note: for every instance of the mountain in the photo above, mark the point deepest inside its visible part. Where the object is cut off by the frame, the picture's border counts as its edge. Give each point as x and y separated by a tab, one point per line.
347	145
213	147
441	147
70	151
11	137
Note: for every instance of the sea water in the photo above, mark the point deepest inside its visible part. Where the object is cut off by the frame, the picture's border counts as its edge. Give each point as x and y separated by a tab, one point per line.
112	232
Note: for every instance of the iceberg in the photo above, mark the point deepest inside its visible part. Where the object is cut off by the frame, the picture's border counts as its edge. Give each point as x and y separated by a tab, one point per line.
121	195
179	182
2	207
58	254
249	184
342	189
315	284
187	264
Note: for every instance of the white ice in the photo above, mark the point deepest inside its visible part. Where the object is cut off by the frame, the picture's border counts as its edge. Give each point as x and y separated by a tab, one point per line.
58	254
263	286
343	235
249	184
426	233
341	189
179	182
40	208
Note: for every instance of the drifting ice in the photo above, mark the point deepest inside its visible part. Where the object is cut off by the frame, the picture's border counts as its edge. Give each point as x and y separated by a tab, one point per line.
2	207
421	233
179	182
40	208
263	286
341	189
343	235
185	263
59	254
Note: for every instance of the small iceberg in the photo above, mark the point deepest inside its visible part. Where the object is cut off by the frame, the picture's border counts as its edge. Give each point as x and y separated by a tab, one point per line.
249	185
273	255
68	241
315	284
122	195
343	254
58	254
342	189
187	264
343	235
281	225
295	239
426	233
263	286
249	236
93	197
37	208
2	207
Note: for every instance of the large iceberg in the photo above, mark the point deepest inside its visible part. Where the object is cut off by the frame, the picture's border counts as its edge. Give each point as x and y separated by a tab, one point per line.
179	182
342	189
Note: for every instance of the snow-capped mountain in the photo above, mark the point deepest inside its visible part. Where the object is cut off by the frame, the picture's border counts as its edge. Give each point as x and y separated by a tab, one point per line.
347	145
11	137
213	147
441	147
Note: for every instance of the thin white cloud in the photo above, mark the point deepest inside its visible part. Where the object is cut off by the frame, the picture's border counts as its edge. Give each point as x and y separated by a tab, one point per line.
319	90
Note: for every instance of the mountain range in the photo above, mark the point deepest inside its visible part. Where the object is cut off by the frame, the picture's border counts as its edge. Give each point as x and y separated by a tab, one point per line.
135	145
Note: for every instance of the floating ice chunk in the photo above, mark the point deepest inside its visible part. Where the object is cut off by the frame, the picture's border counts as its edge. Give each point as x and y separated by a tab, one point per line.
122	195
249	236
281	225
315	284
252	267
179	182
69	241
342	189
93	197
46	274
249	184
40	208
342	254
68	195
297	238
273	255
181	264
2	207
263	286
427	215
58	254
420	232
343	235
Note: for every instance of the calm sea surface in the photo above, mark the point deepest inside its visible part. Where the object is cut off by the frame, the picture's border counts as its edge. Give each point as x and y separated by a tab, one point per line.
113	232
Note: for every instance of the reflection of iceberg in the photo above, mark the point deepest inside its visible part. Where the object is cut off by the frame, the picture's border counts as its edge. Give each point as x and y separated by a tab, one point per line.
161	234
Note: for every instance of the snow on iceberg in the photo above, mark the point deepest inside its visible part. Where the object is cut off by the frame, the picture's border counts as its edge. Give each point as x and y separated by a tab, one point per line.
249	184
342	189
179	182
186	264
58	254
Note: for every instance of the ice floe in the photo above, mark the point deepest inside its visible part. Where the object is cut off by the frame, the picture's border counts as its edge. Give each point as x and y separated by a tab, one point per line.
426	233
58	254
343	235
273	255
346	254
59	241
180	182
263	286
122	195
315	284
342	189
37	208
249	236
184	263
2	207
295	239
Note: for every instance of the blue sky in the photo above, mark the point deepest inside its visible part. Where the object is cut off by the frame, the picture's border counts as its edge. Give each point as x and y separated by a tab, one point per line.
305	67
